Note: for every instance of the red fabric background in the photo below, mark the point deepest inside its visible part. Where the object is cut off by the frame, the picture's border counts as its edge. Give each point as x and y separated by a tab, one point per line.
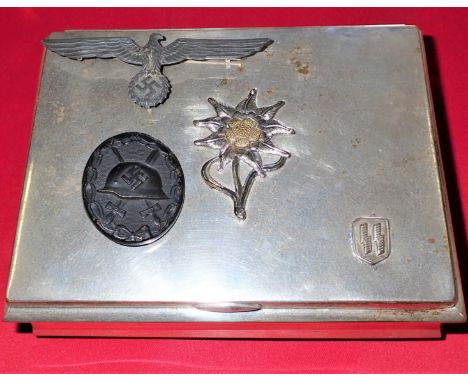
21	31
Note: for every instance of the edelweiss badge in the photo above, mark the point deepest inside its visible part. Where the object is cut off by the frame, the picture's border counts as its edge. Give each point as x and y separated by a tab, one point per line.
242	134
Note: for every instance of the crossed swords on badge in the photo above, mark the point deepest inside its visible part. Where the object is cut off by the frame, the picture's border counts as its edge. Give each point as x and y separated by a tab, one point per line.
150	87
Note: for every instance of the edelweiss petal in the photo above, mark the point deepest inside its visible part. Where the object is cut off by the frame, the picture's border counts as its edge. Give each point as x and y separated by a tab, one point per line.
250	103
215	141
269	112
274	127
255	161
225	157
268	147
221	110
213	123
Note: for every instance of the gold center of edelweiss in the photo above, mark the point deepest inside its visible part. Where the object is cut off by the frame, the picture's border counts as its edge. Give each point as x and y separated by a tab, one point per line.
242	132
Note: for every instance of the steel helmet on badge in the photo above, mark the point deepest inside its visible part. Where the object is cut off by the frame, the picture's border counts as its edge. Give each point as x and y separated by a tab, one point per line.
134	180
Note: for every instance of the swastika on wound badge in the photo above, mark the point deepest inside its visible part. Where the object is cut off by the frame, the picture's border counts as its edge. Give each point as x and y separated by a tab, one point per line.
371	239
133	189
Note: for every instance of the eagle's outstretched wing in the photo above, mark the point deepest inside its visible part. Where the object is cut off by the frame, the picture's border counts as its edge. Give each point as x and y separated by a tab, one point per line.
123	48
200	49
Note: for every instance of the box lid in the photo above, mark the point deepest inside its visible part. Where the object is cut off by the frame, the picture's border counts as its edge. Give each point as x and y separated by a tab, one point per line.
364	154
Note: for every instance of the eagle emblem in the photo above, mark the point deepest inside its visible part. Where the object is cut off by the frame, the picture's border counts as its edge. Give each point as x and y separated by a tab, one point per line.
150	87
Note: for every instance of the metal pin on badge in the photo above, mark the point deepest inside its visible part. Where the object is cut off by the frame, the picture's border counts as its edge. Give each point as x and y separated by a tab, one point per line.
133	189
242	134
150	87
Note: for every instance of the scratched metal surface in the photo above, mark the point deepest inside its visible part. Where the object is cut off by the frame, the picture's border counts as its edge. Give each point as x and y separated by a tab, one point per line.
357	98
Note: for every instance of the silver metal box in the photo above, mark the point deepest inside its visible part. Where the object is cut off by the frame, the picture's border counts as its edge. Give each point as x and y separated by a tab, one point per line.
364	157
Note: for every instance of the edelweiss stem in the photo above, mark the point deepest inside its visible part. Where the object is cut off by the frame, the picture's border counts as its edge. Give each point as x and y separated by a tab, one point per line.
241	193
239	205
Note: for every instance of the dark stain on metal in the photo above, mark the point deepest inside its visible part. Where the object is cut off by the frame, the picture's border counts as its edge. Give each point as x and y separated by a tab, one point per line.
301	68
268	53
225	82
355	142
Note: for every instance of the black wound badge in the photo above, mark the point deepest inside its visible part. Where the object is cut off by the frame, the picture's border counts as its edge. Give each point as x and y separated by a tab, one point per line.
133	188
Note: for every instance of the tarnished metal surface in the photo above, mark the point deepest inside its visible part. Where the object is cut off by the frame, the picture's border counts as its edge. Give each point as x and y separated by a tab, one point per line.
357	98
